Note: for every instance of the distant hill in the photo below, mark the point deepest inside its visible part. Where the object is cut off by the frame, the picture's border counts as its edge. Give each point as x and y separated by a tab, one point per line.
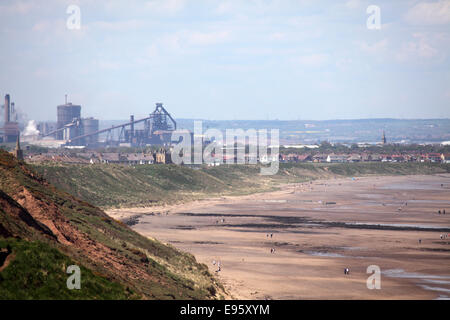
43	230
343	131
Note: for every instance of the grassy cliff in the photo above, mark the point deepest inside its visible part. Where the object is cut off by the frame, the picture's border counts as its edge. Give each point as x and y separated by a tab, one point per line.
116	185
36	270
44	229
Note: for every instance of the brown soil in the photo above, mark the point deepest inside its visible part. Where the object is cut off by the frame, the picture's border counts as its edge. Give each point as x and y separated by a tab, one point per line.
67	234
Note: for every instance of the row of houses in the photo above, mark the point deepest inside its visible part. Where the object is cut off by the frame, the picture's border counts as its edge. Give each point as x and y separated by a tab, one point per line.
164	156
160	156
341	158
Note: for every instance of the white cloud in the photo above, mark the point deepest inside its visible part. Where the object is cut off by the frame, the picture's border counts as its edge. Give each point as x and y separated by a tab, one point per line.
18	7
278	36
418	48
207	38
429	13
108	65
377	48
313	60
165	6
124	25
184	41
344	64
353	4
55	31
224	7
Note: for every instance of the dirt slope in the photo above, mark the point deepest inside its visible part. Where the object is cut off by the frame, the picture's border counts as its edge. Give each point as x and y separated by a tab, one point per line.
34	210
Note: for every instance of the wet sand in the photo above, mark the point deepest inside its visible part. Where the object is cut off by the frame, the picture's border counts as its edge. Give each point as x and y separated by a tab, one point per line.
319	229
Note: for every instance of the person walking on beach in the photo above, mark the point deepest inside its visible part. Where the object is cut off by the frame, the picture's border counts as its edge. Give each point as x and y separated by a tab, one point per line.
218	267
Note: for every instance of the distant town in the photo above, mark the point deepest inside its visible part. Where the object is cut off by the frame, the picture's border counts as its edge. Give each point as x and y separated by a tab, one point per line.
77	139
324	153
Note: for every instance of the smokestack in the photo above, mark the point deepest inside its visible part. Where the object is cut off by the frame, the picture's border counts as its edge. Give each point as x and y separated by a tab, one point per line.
7	109
132	126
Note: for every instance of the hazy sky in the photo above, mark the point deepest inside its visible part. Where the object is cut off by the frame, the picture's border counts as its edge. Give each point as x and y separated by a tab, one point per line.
238	59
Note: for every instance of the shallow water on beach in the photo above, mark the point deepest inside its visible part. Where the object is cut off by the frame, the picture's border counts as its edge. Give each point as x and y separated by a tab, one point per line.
422	279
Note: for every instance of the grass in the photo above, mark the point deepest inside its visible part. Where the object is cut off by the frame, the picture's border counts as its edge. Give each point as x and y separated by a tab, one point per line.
128	186
155	270
38	271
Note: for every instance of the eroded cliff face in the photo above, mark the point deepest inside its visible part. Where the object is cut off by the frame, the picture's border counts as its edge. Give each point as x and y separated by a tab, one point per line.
32	209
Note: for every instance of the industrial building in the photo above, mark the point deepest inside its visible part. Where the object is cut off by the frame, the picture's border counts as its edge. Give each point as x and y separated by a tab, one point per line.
66	114
156	129
71	129
70	124
10	128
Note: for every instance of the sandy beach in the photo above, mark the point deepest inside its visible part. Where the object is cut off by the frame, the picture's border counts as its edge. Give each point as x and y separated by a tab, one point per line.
318	229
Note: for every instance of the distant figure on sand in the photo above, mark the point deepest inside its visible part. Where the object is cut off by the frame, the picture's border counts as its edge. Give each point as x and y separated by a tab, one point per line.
271	235
346	271
420	241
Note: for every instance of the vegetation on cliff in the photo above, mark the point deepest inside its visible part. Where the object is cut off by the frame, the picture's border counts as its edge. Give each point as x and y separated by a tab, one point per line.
52	229
144	185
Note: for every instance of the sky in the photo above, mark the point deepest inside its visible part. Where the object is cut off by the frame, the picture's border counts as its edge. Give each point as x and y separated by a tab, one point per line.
228	59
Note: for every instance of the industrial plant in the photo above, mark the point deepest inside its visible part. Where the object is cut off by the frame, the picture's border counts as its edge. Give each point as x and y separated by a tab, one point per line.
73	130
10	128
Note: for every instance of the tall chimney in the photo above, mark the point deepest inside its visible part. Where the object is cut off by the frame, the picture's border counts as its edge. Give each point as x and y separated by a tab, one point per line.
7	109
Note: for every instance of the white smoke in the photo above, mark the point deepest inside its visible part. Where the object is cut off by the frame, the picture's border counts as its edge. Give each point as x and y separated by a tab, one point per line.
31	129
